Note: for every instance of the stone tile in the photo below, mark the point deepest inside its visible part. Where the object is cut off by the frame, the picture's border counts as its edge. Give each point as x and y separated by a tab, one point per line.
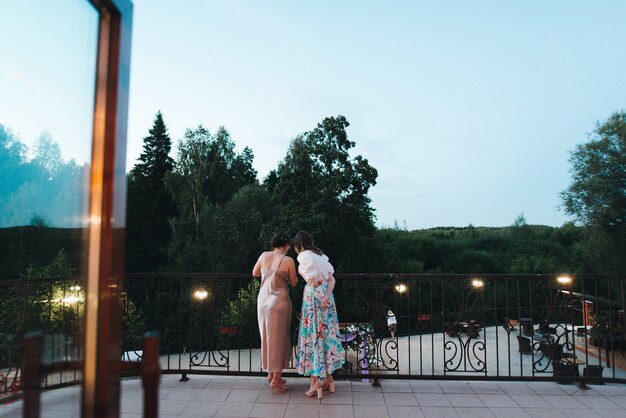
563	402
222	383
336	411
612	413
544	412
169	381
171	406
405	411
531	401
438	412
395	386
201	408
125	415
611	390
620	400
515	388
365	387
163	392
432	399
455	387
187	394
598	402
464	400
547	388
137	393
302	411
266	396
425	387
360	398
337	398
243	395
580	413
131	405
400	399
485	387
586	392
196	382
300	398
370	411
509	412
216	395
494	400
252	383
268	410
235	409
474	412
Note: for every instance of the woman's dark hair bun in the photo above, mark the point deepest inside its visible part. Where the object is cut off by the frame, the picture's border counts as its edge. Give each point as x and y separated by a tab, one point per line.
280	239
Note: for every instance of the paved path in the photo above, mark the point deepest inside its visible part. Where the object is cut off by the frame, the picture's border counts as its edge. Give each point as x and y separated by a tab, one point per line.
204	396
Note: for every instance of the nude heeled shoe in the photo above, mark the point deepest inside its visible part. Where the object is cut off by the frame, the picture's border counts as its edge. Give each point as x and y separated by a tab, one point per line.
329	383
278	386
315	388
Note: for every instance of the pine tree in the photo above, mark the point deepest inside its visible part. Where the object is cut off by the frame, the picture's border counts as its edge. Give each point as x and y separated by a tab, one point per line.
150	204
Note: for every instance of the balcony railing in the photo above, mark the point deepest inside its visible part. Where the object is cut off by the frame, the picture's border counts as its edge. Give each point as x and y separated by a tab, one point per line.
469	327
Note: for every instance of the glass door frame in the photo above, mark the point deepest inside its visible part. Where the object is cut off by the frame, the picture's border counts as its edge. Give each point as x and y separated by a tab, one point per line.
107	207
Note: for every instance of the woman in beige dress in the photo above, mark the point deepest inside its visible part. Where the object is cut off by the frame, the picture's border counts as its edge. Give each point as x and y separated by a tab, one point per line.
274	308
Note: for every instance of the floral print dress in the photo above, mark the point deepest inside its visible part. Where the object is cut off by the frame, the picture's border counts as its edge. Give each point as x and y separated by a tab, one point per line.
319	351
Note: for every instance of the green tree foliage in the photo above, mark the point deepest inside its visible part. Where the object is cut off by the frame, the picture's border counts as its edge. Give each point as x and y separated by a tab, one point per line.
207	175
150	205
516	249
318	187
597	195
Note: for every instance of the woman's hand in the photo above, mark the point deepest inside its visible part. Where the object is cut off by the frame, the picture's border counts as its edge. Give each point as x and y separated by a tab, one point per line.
326	301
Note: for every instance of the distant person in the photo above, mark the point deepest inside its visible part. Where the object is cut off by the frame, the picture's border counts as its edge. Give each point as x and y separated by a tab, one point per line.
392	323
274	308
319	351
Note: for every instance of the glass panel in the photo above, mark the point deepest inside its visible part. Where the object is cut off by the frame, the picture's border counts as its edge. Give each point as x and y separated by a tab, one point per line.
47	80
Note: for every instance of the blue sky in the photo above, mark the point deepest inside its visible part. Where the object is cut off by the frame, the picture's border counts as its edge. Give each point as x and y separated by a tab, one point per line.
467	108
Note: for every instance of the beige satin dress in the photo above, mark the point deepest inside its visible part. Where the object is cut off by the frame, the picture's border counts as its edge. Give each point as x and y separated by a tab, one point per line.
274	313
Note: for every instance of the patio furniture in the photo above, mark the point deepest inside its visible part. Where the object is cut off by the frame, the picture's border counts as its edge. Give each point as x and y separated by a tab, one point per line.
472	330
524	346
527	326
593	370
564	372
453	329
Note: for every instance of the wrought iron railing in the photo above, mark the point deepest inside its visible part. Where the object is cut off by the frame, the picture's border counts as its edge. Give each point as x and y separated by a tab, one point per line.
469	327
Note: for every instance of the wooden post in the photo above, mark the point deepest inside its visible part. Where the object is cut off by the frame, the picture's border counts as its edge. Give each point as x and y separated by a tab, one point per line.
150	375
31	374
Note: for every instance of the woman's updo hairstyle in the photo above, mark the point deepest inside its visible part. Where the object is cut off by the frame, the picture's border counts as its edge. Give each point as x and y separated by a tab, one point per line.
280	239
304	241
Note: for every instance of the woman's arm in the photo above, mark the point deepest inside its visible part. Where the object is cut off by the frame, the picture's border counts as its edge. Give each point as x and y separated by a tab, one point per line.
256	271
293	280
329	290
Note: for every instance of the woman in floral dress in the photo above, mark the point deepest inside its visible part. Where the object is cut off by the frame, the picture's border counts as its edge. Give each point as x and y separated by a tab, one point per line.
319	351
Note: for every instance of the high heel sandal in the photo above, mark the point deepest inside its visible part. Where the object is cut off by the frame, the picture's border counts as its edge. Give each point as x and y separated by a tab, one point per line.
269	380
329	383
278	386
315	388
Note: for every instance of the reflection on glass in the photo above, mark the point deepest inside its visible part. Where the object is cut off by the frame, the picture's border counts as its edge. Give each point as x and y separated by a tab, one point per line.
47	85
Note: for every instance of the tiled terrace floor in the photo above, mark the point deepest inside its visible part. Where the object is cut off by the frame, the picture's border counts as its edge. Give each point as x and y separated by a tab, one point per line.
242	397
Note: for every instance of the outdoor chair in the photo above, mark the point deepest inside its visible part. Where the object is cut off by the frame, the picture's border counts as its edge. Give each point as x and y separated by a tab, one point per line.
453	330
524	345
593	370
564	372
472	330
